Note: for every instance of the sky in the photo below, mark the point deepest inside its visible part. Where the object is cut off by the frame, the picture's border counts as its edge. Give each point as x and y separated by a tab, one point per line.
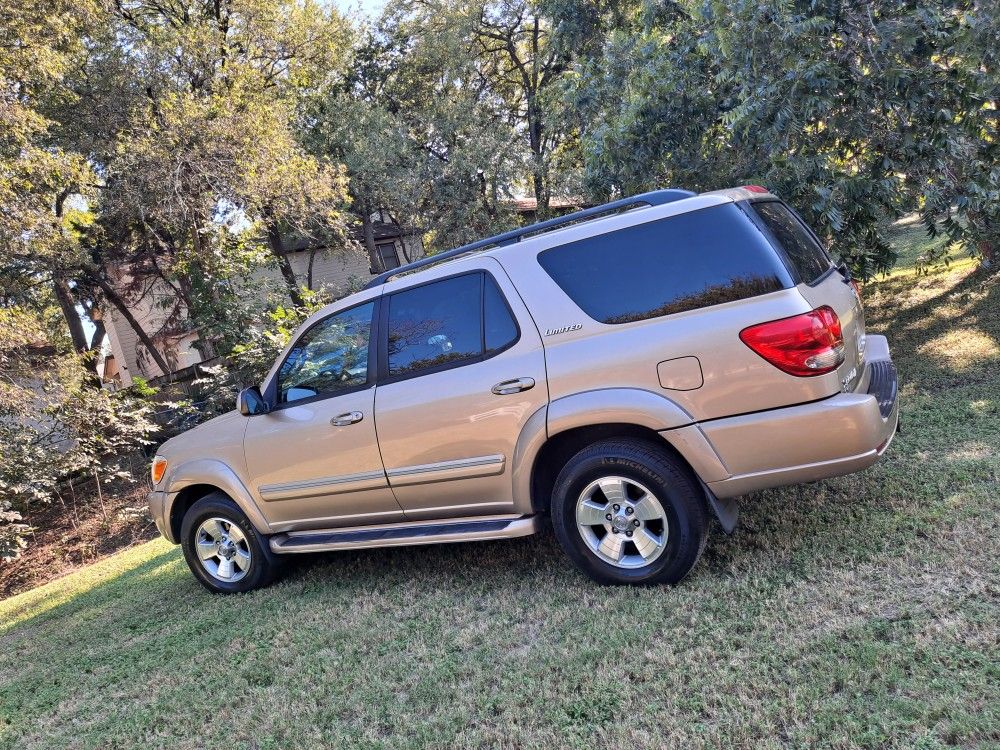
368	8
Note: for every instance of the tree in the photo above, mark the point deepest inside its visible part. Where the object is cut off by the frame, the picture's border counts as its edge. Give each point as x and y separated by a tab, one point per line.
853	112
187	111
36	173
499	54
418	137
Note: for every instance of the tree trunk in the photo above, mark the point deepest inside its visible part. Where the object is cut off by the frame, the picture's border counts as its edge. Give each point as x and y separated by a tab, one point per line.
309	272
98	338
67	303
369	232
112	296
277	245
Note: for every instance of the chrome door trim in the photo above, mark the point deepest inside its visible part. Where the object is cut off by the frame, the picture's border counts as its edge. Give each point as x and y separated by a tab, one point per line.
366	480
358	519
442	471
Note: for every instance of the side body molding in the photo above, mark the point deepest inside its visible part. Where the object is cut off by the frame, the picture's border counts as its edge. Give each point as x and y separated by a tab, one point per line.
612	406
218	474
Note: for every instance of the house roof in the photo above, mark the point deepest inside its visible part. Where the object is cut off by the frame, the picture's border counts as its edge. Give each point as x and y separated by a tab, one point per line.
528	205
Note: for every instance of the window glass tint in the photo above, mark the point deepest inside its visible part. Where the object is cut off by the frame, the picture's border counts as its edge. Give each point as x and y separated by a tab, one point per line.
500	327
329	357
668	266
808	257
435	324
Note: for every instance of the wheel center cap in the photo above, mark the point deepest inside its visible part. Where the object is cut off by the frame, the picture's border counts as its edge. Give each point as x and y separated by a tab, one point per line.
620	522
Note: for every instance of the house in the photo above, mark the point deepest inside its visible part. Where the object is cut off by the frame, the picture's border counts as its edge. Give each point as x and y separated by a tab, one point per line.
158	312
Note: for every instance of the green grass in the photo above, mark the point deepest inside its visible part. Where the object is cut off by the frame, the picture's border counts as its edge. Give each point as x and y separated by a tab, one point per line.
856	612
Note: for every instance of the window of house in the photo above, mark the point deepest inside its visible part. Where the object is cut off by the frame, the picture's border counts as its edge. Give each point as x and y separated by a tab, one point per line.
387	252
330	357
447	322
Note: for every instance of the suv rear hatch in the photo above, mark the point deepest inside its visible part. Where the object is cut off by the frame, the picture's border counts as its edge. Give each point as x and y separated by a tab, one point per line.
819	281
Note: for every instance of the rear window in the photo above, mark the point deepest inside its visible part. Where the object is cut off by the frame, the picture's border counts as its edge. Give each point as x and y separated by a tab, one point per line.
672	265
805	254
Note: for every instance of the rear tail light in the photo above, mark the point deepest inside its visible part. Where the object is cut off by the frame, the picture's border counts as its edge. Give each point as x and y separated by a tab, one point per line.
803	345
755	188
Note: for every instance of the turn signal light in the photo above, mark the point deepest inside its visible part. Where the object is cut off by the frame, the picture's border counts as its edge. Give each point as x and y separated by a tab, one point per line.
158	469
802	345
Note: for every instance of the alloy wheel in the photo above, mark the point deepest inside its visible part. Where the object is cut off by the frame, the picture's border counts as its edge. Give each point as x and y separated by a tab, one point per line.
622	522
223	549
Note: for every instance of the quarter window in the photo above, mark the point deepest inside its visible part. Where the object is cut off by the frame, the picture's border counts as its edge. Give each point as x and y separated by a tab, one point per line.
805	254
456	320
668	266
330	357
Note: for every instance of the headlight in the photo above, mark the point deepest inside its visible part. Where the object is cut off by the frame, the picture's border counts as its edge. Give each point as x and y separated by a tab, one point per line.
157	469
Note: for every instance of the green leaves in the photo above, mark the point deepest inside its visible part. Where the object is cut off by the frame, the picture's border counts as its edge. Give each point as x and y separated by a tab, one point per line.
854	113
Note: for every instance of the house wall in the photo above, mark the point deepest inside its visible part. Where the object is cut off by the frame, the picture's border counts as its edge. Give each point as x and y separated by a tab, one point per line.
337	272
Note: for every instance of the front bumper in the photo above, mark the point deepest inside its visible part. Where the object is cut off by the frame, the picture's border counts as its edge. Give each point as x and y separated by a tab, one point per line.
838	435
157	501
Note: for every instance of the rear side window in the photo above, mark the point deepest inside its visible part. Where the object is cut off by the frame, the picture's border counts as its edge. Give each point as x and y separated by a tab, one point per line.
447	323
805	254
672	265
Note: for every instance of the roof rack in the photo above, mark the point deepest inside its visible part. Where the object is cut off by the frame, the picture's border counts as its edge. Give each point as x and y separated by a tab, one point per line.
653	198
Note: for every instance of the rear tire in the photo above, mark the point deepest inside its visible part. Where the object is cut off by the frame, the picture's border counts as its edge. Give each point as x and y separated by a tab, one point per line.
627	511
224	551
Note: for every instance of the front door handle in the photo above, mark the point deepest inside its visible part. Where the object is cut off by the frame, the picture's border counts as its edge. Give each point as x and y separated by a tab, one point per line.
351	417
516	385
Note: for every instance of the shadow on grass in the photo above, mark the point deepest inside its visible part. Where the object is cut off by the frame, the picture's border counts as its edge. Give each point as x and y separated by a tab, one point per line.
910	328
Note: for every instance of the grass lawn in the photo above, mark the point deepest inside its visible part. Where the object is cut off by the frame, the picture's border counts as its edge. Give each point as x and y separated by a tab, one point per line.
856	612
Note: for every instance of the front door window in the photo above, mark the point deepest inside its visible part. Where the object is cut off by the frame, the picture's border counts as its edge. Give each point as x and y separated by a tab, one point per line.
330	357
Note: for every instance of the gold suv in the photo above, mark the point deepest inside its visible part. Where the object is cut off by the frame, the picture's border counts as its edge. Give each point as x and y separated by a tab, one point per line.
625	371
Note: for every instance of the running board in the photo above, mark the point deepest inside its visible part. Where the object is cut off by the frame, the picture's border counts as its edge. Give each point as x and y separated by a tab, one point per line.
400	535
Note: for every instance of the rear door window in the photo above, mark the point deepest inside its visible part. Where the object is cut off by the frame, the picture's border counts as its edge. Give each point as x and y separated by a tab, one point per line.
805	254
447	323
499	327
685	262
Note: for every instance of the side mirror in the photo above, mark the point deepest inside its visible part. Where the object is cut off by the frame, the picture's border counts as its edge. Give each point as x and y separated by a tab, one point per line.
250	402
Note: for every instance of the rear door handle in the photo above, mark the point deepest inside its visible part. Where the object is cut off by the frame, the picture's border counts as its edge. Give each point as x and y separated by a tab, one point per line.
516	385
351	417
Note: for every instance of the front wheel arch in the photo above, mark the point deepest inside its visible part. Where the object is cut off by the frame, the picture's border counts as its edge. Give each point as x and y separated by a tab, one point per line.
183	502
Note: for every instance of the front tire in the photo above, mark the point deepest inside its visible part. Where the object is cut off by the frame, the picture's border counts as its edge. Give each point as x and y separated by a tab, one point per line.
629	512
224	551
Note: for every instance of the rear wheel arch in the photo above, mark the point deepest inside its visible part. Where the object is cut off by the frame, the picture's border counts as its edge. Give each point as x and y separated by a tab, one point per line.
560	448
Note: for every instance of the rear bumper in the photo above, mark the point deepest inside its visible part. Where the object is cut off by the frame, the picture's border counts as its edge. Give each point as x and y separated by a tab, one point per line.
839	435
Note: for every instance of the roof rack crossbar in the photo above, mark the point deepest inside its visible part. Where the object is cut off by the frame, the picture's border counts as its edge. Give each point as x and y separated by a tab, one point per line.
653	198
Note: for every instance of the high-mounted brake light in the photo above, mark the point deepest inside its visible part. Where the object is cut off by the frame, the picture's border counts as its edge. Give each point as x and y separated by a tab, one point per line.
755	188
803	345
